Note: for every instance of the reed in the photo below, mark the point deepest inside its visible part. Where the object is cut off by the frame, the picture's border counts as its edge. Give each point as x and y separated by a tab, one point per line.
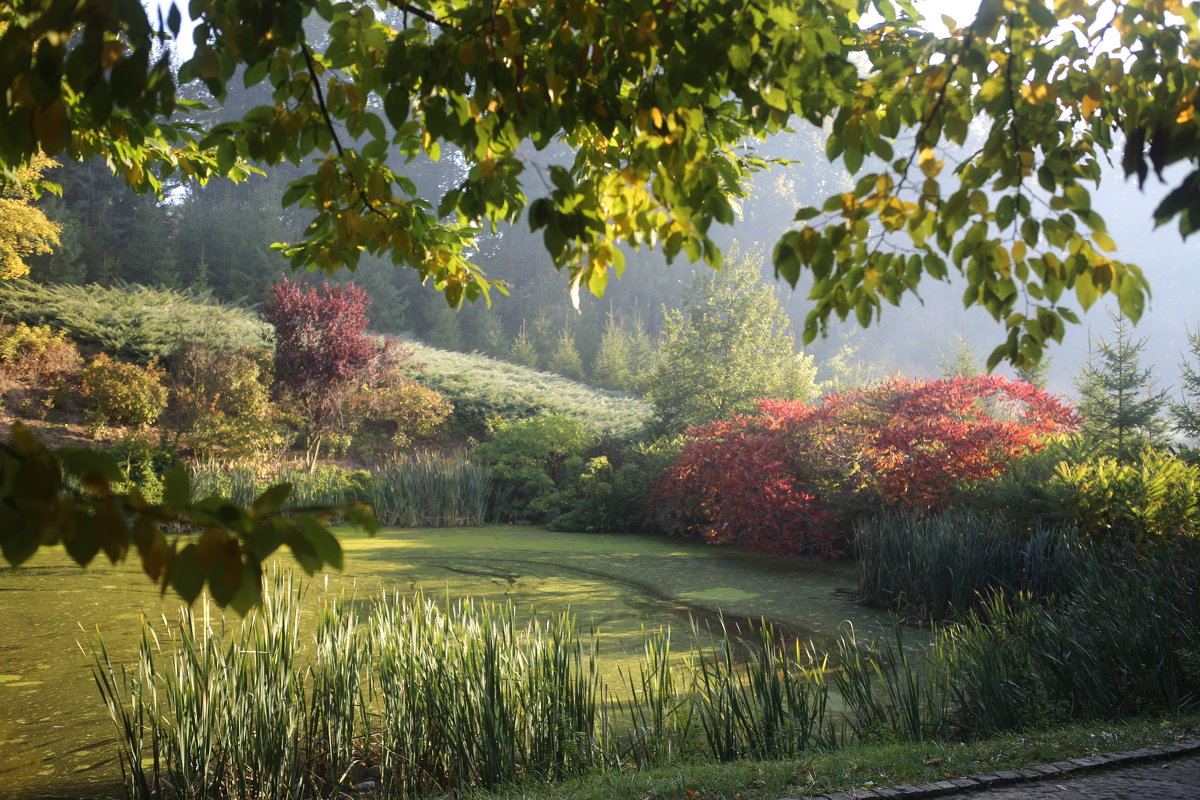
770	702
658	715
422	489
931	567
427	489
423	698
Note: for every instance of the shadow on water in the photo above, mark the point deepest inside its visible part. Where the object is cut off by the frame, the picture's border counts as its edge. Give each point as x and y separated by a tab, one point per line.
56	739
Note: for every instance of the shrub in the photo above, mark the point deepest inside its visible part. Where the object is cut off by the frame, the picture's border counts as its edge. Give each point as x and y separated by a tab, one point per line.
612	491
116	393
41	360
145	466
219	404
533	461
1069	484
395	416
133	322
483	389
793	478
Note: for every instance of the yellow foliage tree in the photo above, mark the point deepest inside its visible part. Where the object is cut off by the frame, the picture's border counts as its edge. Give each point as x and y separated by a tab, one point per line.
24	228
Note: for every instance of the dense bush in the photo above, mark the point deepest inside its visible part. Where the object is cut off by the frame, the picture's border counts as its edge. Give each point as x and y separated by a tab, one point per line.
611	492
394	416
793	478
132	322
534	462
219	404
1069	484
40	361
116	393
145	466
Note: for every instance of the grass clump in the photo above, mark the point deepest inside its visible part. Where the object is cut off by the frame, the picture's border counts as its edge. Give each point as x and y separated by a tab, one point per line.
422	489
424	699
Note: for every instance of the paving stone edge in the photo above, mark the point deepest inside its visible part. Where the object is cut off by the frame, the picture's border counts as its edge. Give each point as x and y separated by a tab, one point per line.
1058	769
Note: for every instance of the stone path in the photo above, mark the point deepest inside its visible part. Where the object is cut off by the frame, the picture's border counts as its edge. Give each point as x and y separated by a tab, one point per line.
1165	772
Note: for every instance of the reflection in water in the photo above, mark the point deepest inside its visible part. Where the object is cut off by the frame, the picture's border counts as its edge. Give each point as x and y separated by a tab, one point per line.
56	738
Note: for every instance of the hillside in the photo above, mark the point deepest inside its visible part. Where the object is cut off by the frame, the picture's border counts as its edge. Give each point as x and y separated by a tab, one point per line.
137	323
482	387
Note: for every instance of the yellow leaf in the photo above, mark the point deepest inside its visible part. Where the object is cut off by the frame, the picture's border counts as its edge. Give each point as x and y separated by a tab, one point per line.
929	163
1036	93
1104	241
1186	116
1091	100
1019	251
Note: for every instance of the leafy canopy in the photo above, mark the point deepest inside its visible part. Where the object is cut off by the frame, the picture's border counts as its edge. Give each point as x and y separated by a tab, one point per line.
657	100
728	347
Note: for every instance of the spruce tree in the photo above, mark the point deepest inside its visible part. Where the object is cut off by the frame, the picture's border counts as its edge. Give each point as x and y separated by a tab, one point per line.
1186	412
1037	373
961	360
564	359
612	368
442	326
643	356
1122	411
522	352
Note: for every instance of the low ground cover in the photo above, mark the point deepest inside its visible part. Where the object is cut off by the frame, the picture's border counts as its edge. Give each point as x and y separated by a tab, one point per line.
861	767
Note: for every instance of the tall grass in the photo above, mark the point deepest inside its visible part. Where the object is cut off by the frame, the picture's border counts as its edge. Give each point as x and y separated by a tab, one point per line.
930	567
772	704
418	490
422	698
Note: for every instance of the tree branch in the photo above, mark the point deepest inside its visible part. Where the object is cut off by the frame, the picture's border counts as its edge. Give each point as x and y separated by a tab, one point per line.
337	142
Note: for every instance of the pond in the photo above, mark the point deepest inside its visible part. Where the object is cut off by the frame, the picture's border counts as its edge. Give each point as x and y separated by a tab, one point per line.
56	739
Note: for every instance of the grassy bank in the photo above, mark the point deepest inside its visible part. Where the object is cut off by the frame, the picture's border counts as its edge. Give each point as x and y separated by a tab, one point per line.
863	766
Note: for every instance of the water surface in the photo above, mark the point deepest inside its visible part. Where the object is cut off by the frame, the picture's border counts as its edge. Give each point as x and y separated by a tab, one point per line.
56	739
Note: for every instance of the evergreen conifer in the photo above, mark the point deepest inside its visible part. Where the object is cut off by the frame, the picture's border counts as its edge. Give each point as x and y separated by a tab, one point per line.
1122	411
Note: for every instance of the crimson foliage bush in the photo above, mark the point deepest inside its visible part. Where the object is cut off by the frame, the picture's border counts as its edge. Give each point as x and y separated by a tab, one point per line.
792	479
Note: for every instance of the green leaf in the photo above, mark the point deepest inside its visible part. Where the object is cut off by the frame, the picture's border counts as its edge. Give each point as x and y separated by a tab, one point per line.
323	542
853	159
271	500
187	579
177	490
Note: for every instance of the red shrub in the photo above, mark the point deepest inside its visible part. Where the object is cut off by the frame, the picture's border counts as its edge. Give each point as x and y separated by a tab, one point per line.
792	479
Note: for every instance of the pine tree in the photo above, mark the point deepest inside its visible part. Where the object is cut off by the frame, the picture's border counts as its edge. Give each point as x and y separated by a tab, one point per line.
1186	412
1117	398
1036	374
486	333
960	361
643	356
612	368
726	348
522	352
541	333
442	328
564	359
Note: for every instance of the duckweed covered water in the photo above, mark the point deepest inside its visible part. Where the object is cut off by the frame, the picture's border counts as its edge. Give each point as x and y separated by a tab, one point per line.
56	739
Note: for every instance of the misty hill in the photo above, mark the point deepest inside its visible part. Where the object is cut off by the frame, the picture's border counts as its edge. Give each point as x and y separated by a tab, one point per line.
140	324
